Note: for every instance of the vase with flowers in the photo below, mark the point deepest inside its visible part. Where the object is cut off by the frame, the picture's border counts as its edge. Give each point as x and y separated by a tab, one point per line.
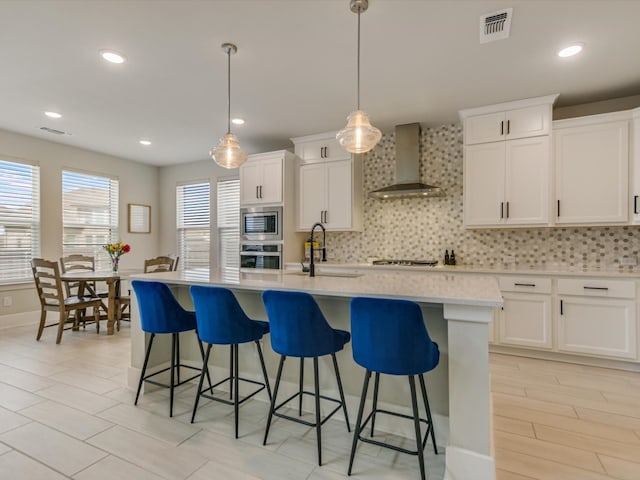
115	251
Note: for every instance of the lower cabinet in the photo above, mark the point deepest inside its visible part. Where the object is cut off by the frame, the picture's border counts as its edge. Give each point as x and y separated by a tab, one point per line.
525	319
591	321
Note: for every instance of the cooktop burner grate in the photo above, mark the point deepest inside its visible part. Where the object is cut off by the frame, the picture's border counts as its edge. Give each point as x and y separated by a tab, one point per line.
409	263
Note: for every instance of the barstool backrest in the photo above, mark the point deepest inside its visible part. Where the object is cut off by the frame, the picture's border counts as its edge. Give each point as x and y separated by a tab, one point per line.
160	312
220	317
298	327
389	336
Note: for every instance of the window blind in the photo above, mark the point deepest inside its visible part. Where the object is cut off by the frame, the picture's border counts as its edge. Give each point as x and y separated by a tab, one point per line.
193	211
228	222
89	215
19	220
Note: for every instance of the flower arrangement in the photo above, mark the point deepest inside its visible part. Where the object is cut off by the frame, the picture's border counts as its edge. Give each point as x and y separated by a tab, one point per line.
115	250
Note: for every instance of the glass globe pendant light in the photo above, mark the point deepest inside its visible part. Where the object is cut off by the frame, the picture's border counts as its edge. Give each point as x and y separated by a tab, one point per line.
359	136
228	153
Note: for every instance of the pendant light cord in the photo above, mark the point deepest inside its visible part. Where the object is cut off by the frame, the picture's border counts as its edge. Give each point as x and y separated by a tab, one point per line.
228	90
358	82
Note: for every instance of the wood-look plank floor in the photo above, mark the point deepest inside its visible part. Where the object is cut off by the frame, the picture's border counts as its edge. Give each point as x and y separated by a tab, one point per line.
559	421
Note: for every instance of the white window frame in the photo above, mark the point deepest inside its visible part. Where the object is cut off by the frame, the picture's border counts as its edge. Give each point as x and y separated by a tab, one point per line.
193	224
83	190
19	219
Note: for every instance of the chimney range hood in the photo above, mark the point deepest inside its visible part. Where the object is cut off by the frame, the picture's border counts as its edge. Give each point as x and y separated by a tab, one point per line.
407	168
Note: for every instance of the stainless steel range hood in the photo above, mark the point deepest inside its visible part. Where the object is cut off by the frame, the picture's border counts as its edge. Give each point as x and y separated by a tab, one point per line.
407	168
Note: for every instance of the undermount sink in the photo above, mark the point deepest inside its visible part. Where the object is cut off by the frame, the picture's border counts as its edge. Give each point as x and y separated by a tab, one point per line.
328	274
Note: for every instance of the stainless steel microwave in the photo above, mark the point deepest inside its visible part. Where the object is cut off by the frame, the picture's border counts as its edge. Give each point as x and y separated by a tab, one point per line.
261	224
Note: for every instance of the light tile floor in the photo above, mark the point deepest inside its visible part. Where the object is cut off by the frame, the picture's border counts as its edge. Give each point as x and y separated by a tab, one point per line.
65	412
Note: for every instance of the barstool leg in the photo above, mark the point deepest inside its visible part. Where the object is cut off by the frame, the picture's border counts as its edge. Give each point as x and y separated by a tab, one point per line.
416	423
344	404
144	367
301	383
264	369
235	385
429	418
205	369
356	431
178	357
376	383
316	382
273	399
202	356
230	373
172	376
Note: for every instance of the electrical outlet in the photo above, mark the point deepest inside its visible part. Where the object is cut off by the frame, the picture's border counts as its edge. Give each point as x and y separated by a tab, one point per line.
629	261
508	259
7	301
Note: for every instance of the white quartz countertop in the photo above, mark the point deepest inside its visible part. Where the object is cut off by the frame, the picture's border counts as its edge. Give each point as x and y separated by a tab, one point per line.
440	287
550	270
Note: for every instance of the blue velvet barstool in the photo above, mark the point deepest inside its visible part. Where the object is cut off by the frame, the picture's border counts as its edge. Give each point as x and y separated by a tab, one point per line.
161	313
298	329
221	321
390	337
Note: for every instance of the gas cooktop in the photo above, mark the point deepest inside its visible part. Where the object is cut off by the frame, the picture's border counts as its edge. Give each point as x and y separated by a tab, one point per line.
408	263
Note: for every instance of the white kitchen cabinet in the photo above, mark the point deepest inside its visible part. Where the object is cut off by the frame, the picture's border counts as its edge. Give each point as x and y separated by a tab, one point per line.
597	317
592	170
522	122
322	147
326	195
635	165
525	319
261	178
507	183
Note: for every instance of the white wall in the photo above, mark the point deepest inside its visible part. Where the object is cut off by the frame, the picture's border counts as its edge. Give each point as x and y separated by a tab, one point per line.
204	170
138	183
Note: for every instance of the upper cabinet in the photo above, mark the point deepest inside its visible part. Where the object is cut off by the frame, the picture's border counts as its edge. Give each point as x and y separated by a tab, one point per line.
521	122
329	184
262	177
592	169
507	159
322	147
635	167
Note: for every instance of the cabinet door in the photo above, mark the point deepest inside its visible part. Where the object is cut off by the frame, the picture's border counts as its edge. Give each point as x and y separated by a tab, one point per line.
528	122
250	183
635	159
271	180
592	168
339	185
527	181
312	191
484	128
325	149
484	177
597	326
526	320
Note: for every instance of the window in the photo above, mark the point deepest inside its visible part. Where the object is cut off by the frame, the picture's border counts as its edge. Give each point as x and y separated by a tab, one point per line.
89	215
193	209
229	222
19	220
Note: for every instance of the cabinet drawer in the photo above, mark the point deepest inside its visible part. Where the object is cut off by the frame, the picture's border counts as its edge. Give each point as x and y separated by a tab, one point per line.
525	284
597	287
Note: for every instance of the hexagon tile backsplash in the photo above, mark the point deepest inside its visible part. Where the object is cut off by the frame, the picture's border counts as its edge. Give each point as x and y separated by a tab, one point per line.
422	228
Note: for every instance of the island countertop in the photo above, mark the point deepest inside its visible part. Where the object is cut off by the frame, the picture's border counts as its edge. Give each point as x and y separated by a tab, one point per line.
441	288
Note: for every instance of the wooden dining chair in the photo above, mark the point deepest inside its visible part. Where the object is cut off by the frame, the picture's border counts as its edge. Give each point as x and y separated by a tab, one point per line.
52	299
159	264
80	263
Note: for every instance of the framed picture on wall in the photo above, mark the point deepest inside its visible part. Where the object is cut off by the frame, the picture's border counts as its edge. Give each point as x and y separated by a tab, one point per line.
139	218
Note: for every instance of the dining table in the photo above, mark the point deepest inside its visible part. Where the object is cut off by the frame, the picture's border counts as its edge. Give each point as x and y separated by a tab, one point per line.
86	280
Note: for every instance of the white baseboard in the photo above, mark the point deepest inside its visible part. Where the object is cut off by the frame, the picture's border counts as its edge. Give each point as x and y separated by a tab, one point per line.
19	319
464	464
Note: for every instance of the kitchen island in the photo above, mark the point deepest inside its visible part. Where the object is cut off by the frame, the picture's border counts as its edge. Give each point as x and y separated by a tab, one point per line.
457	311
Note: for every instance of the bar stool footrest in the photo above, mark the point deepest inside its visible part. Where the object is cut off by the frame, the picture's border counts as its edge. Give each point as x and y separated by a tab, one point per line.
389	445
165	385
305	422
231	402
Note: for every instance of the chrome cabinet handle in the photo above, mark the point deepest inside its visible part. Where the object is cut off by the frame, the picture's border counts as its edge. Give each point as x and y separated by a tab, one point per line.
524	284
257	190
596	288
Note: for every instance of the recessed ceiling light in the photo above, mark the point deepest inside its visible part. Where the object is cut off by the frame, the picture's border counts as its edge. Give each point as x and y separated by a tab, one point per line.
53	114
571	50
146	143
113	57
237	121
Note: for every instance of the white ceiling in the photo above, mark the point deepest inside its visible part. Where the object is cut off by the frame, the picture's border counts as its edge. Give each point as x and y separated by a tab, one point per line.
294	73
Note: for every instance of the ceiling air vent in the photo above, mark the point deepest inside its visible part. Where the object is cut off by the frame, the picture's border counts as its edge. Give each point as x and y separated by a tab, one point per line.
495	26
54	131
